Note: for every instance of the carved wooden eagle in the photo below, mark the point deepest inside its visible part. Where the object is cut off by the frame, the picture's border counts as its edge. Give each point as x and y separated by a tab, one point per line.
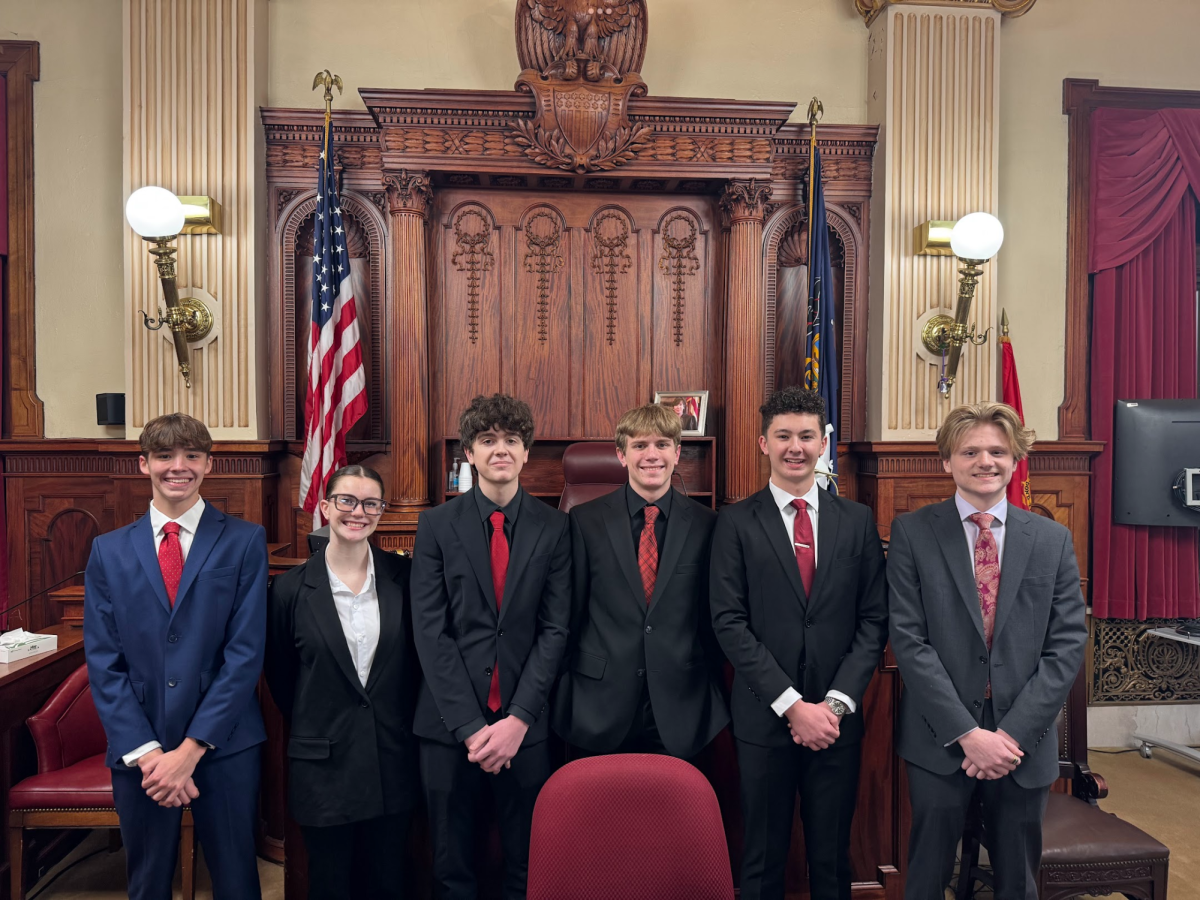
589	37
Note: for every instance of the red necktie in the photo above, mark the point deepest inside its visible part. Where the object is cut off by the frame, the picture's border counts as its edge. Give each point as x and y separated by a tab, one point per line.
806	551
170	559
648	551
987	577
499	573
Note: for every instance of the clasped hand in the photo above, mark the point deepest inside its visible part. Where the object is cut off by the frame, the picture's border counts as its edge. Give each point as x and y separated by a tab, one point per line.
813	725
167	777
494	746
989	754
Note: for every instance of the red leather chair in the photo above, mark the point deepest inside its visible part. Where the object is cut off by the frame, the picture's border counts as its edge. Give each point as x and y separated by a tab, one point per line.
590	470
73	787
629	826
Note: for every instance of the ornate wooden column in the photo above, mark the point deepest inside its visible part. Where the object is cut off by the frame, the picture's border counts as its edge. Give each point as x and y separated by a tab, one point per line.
409	195
745	203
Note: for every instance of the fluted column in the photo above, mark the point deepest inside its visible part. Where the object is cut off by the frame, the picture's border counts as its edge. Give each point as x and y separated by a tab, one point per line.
745	204
409	196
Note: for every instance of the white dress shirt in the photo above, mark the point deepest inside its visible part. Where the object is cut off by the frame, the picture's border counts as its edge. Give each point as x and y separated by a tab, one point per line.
188	523
788	514
999	512
359	615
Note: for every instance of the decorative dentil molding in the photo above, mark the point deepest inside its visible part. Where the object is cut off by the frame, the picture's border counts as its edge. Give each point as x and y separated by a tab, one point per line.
870	9
408	191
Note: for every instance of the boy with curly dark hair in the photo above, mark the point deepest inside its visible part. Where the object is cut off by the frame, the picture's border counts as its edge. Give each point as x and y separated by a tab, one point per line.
491	601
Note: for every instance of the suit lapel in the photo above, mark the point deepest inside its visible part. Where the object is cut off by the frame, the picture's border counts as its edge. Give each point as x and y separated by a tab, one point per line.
212	523
533	522
469	529
320	596
390	592
616	523
769	519
948	529
142	538
1018	545
829	520
679	523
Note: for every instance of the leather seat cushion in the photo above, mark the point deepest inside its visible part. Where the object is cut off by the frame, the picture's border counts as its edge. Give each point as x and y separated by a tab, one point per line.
85	785
1077	832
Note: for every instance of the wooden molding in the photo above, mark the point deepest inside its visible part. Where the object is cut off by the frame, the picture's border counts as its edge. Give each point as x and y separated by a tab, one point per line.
23	416
1080	98
870	9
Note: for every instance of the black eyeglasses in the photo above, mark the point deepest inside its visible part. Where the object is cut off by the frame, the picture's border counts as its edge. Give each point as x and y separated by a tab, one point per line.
349	503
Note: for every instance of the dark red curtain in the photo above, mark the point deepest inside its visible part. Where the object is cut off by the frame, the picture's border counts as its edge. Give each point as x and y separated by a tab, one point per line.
1145	174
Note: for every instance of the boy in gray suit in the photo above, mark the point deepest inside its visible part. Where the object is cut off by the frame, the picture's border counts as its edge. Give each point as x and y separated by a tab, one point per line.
987	624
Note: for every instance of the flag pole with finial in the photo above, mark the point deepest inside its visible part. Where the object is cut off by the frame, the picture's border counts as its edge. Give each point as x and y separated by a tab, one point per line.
816	110
326	80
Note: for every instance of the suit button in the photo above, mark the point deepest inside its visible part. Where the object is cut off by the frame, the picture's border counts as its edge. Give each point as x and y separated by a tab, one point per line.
501	632
364	704
172	683
808	623
649	628
976	704
488	671
803	666
641	672
983	659
172	638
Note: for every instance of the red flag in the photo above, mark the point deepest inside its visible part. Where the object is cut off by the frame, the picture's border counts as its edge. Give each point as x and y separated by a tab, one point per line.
1019	493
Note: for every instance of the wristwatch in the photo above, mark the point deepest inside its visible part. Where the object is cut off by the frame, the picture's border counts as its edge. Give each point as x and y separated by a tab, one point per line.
839	708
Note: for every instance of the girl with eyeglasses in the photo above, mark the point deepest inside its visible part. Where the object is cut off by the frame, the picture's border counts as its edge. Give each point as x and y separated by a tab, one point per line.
341	668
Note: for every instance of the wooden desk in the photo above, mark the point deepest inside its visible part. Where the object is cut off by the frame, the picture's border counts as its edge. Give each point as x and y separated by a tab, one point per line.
24	686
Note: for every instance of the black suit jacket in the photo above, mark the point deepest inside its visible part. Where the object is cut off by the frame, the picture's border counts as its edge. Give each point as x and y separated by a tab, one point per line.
351	753
1038	642
459	634
775	636
618	643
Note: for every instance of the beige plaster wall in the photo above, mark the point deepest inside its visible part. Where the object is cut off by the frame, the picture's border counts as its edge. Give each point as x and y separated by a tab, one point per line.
77	195
1128	43
748	49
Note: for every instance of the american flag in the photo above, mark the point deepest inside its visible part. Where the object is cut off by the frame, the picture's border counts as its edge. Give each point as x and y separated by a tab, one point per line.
337	394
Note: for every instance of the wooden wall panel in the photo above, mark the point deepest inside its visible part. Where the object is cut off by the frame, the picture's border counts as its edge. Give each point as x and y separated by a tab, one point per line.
682	313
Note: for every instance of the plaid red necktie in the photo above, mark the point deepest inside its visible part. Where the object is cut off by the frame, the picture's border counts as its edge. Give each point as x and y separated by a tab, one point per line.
499	573
987	577
802	540
170	560
648	551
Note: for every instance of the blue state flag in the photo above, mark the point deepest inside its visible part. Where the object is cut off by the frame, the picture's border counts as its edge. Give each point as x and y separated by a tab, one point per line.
820	368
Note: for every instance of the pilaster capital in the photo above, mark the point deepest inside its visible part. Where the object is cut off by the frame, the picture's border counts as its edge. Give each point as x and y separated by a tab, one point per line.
870	9
746	200
408	192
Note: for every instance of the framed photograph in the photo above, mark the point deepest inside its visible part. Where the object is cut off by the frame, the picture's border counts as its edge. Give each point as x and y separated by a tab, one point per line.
690	406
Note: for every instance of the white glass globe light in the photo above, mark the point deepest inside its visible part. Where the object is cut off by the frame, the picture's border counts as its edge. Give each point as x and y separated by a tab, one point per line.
154	212
977	236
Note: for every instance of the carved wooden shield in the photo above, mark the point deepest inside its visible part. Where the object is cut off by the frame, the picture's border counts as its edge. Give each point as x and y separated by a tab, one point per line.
582	114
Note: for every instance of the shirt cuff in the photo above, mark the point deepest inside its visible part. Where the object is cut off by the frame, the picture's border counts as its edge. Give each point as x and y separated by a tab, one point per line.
522	713
462	733
785	700
130	759
838	695
960	737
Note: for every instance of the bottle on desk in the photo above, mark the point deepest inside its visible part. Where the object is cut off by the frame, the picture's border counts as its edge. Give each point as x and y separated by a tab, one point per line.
452	480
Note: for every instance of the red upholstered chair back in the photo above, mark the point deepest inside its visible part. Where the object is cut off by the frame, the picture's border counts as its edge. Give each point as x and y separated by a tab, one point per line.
590	470
67	728
628	827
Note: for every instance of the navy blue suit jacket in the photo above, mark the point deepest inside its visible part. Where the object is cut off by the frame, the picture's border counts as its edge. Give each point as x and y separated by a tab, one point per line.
159	673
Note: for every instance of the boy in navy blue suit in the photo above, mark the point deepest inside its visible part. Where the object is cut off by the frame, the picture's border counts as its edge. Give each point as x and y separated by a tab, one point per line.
174	631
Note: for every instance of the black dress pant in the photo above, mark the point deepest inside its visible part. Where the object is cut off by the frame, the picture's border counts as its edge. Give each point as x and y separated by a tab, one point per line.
1012	820
451	784
358	859
827	781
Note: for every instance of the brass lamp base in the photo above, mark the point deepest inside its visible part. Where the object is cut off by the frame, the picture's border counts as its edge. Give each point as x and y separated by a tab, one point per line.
936	333
198	319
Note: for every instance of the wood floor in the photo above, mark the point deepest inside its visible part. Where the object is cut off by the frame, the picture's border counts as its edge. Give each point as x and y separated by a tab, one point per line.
1159	795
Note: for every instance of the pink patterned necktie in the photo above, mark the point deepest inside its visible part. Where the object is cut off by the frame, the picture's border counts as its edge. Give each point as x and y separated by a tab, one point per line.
170	560
987	576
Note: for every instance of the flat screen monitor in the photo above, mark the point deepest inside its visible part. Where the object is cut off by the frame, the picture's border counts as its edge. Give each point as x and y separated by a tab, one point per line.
1153	441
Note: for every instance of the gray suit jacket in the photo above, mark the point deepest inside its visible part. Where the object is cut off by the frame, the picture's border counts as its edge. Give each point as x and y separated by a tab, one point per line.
937	636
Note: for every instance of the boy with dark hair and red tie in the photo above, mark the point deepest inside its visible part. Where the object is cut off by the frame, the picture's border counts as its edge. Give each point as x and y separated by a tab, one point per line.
490	602
800	608
174	631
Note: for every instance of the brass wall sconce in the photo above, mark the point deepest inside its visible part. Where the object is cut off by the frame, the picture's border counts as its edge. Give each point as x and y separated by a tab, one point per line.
158	216
975	239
